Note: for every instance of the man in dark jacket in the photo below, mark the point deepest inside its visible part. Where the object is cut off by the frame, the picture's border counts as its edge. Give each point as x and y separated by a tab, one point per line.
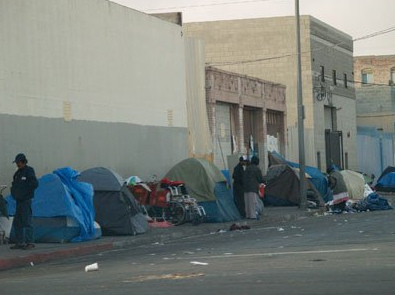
252	179
238	190
23	185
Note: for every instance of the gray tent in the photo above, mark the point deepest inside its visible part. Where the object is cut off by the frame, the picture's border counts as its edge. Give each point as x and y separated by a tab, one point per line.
283	187
116	209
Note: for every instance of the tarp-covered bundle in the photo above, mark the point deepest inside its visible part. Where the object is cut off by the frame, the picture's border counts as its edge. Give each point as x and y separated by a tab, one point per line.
355	183
317	178
373	202
386	181
207	184
62	208
283	187
116	209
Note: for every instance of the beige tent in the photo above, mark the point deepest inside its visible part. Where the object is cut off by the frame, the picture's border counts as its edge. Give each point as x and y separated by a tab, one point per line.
355	183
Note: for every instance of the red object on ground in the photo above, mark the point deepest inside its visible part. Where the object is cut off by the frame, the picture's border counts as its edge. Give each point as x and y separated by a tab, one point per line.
160	224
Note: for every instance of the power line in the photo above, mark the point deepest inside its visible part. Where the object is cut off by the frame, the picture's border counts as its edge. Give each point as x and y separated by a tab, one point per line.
367	84
211	4
386	31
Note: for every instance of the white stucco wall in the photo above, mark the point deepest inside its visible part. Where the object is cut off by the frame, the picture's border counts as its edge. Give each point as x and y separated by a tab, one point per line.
90	60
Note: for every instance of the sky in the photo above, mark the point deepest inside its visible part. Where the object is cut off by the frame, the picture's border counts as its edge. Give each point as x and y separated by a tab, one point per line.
357	18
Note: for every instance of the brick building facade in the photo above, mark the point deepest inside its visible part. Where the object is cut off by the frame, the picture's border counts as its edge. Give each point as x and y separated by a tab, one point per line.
375	91
266	48
242	112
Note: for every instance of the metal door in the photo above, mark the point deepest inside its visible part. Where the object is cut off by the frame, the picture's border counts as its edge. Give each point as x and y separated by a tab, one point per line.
334	148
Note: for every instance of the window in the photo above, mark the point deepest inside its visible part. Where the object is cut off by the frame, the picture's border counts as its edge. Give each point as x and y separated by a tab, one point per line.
345	80
334	79
367	76
322	73
392	78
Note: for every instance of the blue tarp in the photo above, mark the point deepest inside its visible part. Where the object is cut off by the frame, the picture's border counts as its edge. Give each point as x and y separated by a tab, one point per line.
373	202
386	182
227	176
223	209
60	194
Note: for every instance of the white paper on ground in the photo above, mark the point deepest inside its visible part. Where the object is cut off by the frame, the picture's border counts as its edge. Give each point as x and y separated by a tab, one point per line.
199	263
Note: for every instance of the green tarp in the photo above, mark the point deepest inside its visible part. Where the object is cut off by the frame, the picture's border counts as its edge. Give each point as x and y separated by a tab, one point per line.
199	175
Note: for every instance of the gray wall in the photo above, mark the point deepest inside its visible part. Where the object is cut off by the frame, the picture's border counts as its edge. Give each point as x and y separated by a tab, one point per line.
129	149
375	99
90	83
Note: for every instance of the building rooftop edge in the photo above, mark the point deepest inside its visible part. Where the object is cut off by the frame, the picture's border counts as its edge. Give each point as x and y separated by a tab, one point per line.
211	68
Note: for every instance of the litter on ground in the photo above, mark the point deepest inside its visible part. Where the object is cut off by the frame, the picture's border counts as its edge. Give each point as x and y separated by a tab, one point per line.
198	263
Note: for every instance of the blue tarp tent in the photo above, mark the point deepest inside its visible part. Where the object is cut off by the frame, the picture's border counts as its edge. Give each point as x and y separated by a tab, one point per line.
206	183
386	181
62	208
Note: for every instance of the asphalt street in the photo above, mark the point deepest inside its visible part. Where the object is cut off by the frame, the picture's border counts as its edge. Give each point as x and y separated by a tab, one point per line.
333	254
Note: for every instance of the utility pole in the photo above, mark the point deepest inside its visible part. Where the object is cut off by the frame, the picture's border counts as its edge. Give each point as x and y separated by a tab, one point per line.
303	196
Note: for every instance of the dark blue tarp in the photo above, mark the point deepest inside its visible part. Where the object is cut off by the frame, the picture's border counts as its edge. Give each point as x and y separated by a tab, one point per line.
227	176
386	183
373	202
60	194
223	209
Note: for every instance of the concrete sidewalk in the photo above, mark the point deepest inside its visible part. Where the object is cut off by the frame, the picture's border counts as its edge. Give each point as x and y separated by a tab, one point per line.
48	252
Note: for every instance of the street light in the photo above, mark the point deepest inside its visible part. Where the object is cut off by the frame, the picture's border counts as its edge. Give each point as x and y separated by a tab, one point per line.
303	196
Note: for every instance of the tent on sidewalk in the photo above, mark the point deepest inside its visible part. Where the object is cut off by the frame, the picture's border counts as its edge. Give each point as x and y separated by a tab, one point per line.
117	211
206	183
62	209
386	181
283	187
317	178
355	183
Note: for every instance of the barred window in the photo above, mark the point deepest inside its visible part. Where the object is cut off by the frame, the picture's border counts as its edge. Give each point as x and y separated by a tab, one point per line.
367	76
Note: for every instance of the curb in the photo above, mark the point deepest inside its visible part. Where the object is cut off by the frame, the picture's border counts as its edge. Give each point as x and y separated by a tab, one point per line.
156	235
33	258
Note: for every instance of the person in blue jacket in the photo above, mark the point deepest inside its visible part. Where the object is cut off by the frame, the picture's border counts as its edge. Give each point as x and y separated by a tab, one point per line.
22	190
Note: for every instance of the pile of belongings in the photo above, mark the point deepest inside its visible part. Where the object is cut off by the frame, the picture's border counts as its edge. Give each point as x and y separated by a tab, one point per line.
373	202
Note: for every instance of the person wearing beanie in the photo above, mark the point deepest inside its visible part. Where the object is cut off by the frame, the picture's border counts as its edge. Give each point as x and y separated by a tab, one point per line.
238	190
22	190
252	179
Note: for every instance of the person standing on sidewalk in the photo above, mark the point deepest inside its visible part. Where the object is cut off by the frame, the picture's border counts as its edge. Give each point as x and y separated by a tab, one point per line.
22	190
238	190
252	179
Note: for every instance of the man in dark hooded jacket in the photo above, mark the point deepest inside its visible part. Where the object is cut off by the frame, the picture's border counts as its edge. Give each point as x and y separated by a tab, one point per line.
252	179
238	190
23	185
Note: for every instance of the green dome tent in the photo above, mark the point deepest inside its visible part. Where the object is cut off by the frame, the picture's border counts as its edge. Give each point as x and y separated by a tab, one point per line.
206	183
